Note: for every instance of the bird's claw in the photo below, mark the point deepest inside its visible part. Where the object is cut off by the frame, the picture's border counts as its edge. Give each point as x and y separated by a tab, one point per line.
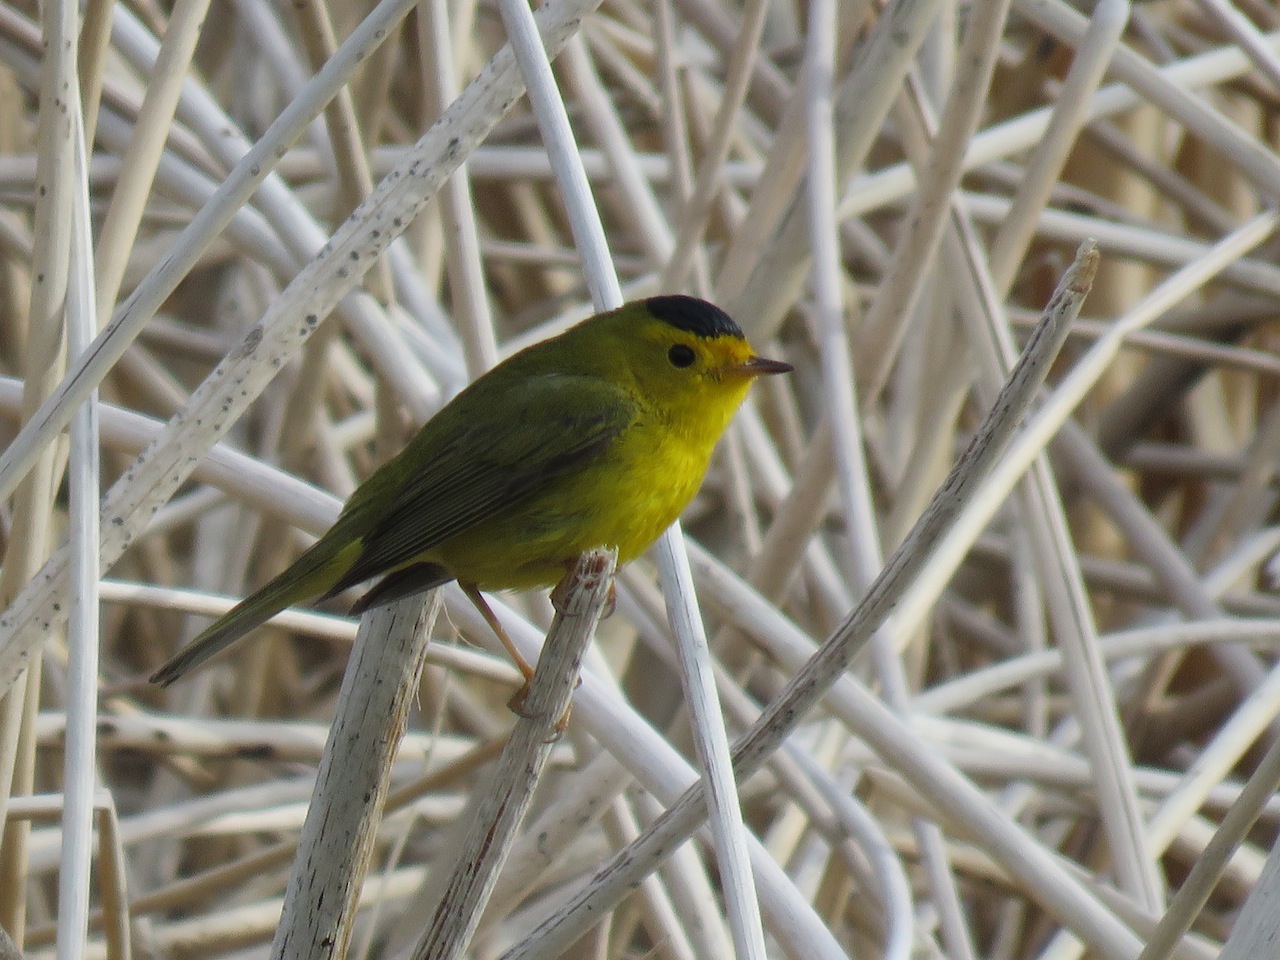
517	706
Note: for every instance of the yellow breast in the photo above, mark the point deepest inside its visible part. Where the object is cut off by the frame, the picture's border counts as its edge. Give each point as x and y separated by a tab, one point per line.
625	499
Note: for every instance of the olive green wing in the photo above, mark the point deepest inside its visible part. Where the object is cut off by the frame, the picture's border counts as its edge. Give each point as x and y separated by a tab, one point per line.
491	451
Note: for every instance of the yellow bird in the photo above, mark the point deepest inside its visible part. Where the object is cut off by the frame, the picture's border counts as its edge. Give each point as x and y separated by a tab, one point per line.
597	437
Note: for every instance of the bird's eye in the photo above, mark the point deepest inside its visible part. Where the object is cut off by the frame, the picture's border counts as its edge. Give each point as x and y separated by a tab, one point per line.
681	355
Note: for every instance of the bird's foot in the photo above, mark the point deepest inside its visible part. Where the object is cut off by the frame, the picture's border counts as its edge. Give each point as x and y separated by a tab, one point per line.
517	706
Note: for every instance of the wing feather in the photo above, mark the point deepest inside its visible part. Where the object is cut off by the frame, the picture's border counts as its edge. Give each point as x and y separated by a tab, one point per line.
484	460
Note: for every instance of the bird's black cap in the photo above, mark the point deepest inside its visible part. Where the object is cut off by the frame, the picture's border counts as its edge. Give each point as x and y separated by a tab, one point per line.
697	316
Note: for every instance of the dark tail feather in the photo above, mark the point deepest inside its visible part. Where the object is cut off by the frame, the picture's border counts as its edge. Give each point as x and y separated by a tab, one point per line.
402	583
309	575
217	638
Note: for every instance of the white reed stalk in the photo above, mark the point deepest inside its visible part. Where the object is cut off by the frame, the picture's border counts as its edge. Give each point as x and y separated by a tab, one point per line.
1248	36
1048	541
1049	419
826	668
1199	883
79	764
880	334
664	772
492	830
470	298
1046	162
713	747
1253	158
241	183
289	320
697	208
553	123
897	182
858	822
761	283
1258	925
639	204
150	133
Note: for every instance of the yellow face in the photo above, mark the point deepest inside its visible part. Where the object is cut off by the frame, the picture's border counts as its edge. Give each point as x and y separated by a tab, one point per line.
691	377
679	359
683	361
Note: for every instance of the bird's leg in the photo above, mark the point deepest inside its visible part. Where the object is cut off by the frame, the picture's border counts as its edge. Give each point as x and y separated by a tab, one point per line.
611	601
558	598
516	703
560	589
559	593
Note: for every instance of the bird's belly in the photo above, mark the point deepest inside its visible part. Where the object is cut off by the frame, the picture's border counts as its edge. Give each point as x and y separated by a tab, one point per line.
625	500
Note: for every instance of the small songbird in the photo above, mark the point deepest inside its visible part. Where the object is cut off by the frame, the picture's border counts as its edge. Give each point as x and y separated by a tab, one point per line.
597	437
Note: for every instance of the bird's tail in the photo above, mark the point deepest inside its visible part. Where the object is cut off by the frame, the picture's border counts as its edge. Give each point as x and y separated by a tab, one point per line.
312	573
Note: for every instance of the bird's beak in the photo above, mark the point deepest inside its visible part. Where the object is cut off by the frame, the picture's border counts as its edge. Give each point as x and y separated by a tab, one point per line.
759	367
